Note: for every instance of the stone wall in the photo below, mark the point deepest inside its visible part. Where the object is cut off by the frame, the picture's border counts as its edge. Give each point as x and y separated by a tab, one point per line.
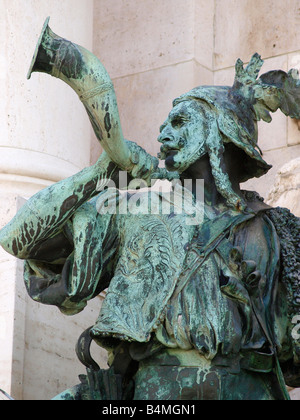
148	49
272	30
154	51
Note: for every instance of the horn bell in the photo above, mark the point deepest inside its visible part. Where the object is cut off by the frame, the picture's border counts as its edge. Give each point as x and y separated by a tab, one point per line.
86	75
40	60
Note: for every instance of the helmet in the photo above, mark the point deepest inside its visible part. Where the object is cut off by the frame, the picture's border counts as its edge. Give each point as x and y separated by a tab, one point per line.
238	108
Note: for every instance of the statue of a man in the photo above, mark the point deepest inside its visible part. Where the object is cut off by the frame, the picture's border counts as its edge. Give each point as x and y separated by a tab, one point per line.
192	310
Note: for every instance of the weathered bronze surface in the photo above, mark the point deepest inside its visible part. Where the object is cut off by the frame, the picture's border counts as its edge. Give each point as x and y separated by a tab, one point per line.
197	307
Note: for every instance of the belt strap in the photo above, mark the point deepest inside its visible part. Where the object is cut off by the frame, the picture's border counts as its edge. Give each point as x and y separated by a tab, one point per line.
257	362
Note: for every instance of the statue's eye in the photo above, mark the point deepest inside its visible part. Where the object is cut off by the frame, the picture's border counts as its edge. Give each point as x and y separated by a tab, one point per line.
178	122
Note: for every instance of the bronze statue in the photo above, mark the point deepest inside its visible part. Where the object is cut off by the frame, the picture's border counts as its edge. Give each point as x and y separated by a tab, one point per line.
195	308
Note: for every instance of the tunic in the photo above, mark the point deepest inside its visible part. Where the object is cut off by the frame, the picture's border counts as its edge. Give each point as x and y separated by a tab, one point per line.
172	285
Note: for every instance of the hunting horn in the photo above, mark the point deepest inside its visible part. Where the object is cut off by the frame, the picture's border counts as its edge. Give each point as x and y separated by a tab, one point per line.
85	74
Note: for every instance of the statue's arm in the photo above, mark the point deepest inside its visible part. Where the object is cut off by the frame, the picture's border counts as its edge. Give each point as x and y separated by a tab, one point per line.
42	218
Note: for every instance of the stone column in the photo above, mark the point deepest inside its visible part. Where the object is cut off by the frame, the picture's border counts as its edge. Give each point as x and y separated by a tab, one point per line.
44	137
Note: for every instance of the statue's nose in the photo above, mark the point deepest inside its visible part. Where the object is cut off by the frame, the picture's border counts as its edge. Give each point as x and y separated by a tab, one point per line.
165	136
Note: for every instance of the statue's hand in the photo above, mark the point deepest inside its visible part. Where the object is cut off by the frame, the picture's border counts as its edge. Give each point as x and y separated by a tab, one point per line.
145	166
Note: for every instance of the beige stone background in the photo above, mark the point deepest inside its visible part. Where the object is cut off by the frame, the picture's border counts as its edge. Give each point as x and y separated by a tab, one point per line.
154	50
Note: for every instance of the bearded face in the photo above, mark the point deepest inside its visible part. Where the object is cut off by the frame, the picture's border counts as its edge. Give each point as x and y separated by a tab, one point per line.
183	135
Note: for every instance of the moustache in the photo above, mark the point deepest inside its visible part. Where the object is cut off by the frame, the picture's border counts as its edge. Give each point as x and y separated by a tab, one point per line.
170	145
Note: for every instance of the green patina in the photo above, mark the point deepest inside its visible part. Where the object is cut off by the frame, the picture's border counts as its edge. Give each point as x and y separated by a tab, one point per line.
196	307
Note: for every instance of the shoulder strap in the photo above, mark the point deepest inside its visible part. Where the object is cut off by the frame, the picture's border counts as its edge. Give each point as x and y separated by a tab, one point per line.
211	236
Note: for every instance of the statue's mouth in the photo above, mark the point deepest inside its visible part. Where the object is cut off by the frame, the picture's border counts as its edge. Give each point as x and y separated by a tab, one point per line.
171	152
167	151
